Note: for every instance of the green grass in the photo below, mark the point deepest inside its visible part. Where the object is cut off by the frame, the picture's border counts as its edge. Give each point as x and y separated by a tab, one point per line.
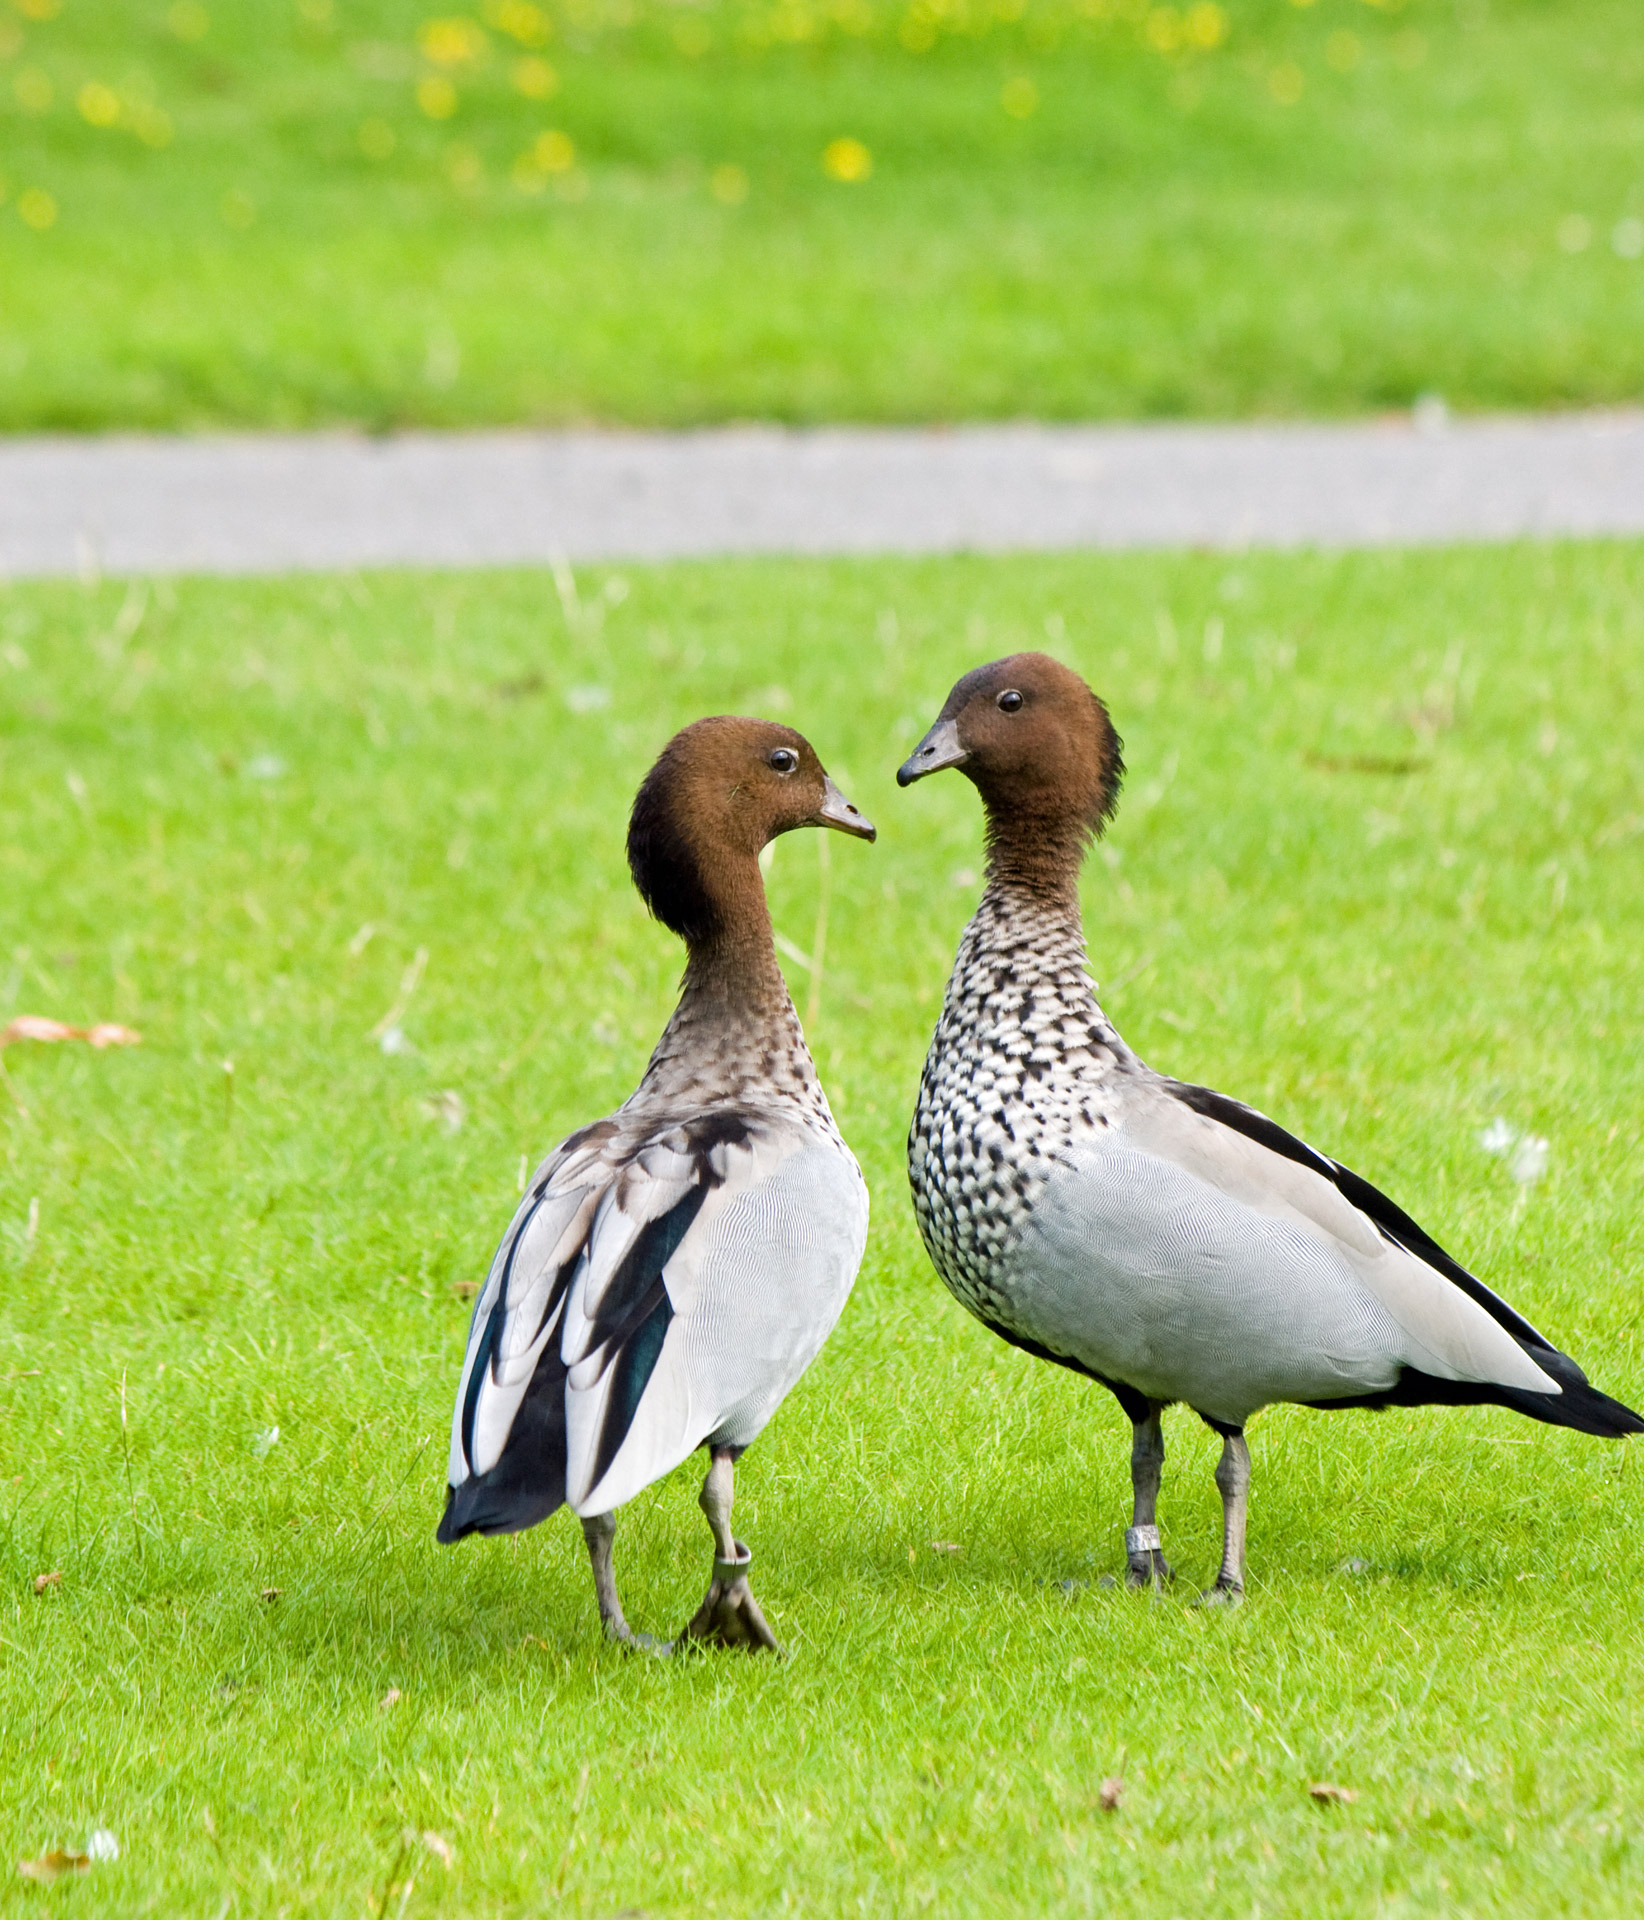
210	792
1334	208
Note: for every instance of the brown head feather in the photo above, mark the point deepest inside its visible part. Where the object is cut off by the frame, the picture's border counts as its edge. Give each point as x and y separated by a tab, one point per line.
720	790
1040	749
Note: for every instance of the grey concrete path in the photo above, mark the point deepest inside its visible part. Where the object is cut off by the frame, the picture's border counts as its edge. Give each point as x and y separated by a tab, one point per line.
257	504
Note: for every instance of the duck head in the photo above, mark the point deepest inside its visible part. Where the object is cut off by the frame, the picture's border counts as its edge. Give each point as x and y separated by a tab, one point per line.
720	791
1035	742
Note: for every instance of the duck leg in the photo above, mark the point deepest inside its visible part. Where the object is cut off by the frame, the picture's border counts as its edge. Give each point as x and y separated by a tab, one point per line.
730	1615
1148	1566
600	1531
1233	1484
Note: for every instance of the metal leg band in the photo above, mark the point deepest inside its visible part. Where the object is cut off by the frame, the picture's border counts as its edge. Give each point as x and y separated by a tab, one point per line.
1140	1540
728	1570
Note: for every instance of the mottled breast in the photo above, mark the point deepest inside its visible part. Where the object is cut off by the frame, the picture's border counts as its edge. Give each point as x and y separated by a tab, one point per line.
1022	1063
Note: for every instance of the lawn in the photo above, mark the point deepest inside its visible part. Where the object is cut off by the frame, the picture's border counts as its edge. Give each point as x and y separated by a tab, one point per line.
242	213
1377	869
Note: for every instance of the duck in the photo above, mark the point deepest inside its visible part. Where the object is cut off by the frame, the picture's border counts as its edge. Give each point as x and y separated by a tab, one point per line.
1168	1241
674	1268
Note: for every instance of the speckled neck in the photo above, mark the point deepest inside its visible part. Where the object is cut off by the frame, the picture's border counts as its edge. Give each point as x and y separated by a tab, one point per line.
1023	1060
735	1038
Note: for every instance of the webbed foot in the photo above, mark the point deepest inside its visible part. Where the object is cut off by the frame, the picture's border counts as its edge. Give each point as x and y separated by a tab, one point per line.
625	1637
730	1616
1225	1593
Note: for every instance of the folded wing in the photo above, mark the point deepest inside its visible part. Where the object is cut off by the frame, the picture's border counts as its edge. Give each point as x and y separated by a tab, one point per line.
661	1279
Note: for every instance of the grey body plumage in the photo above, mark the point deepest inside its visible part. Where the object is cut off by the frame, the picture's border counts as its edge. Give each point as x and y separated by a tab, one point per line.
1168	1241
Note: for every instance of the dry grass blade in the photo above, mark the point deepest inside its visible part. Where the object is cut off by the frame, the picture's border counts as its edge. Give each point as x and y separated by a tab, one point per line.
52	1866
32	1026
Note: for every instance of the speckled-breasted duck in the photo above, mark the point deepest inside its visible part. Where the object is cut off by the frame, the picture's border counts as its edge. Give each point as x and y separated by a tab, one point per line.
675	1268
1170	1242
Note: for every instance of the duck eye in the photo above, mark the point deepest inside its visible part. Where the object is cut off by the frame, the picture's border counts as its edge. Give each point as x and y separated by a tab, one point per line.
783	759
1009	700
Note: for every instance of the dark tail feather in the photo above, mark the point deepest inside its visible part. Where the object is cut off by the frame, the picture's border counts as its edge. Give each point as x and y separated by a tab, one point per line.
494	1504
528	1482
1579	1405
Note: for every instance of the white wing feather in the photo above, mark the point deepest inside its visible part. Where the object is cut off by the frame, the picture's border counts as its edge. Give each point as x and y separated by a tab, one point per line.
753	1287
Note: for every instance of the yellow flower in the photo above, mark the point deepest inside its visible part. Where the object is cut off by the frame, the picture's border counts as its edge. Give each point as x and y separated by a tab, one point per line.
555	152
1207	25
521	21
1164	29
99	105
34	91
1020	98
451	41
846	159
37	207
534	78
728	185
377	138
1285	83
437	97
189	20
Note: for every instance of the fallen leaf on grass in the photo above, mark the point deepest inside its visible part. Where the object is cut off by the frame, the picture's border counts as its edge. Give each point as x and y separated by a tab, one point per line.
1330	1795
390	1699
52	1866
438	1846
44	1580
31	1026
465	1289
271	1594
1112	1791
448	1107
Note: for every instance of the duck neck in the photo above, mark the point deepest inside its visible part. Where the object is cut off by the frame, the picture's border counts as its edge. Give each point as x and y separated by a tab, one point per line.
735	1033
1034	863
1028	926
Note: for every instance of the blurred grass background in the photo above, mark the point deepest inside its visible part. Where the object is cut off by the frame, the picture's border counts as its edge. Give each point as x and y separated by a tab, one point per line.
291	212
1375	869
